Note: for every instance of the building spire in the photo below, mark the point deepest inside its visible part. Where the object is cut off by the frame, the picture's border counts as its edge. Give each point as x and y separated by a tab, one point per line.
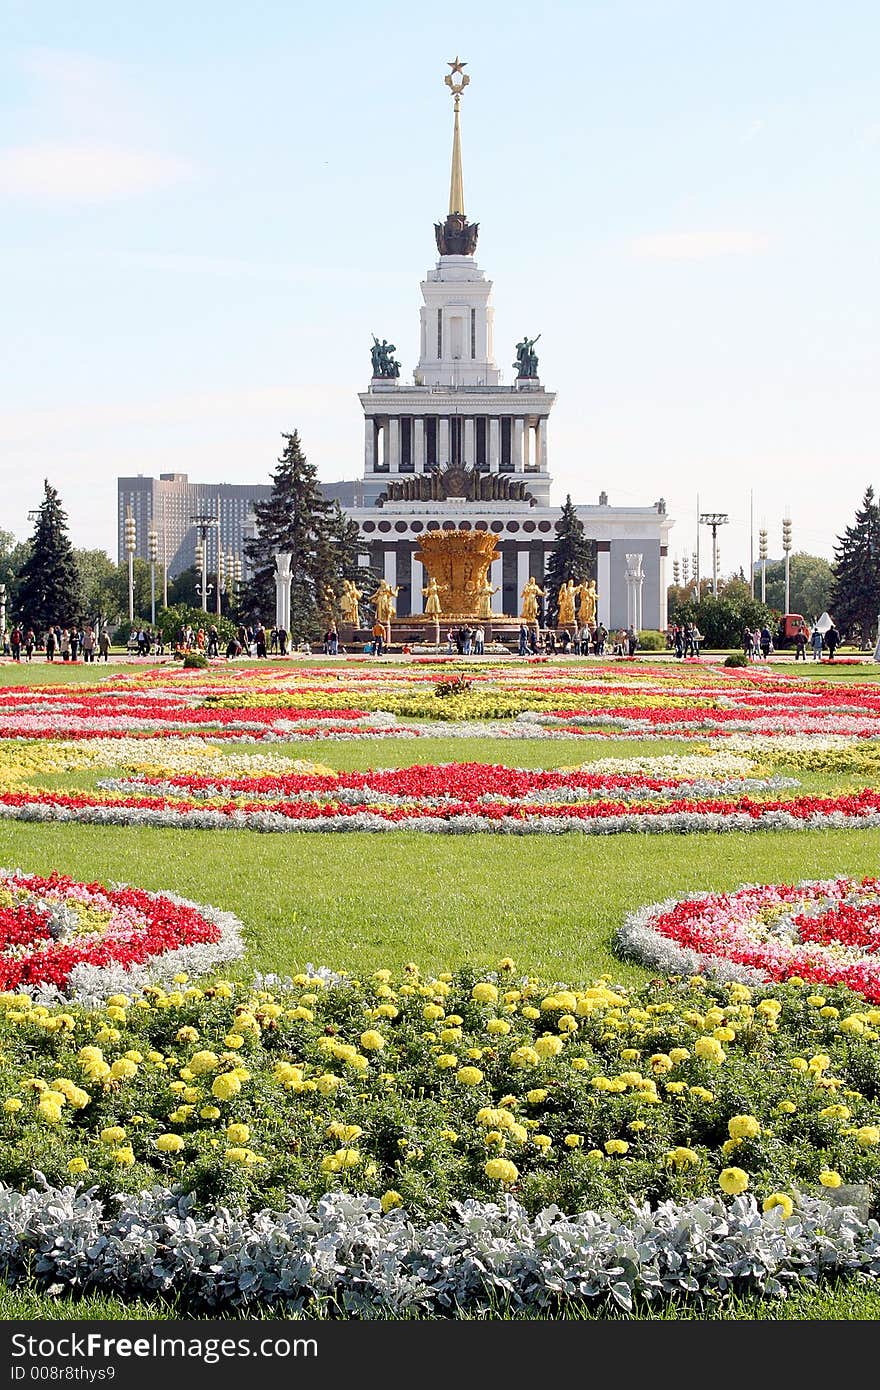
456	236
456	183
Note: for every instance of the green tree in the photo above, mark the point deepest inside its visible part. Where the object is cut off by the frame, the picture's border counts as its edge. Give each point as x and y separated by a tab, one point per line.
573	557
811	581
855	598
721	620
99	582
49	587
296	519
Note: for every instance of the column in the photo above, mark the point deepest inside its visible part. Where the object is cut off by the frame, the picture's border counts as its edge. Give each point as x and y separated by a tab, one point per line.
516	445
417	602
494	444
369	444
543	421
527	443
664	615
394	443
391	564
470	442
442	441
522	573
418	444
603	581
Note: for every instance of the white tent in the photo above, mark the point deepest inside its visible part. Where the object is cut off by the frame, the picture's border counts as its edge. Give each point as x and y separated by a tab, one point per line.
824	623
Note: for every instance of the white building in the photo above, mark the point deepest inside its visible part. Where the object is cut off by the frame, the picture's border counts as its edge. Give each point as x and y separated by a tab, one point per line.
456	448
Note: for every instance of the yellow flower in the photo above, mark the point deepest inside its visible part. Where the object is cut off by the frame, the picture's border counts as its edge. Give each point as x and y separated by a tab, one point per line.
678	1055
391	1199
169	1143
682	1157
372	1041
346	1134
210	1112
123	1069
868	1136
573	1141
829	1177
733	1181
800	1064
542	1141
238	1133
123	1155
548	1045
835	1112
506	964
778	1199
501	1170
524	1057
786	1107
113	1134
233	1041
449	1135
743	1127
498	1025
709	1049
535	1097
12	1105
225	1086
447	1060
77	1165
200	1063
484	993
616	1146
469	1076
50	1111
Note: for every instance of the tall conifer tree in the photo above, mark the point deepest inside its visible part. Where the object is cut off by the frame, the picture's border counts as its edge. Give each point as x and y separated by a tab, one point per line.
856	595
573	557
49	589
295	519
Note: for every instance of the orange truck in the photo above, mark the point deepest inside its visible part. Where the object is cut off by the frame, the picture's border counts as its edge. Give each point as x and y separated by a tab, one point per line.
790	624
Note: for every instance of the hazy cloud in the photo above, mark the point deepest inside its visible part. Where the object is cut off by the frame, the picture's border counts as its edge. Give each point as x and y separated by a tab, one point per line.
85	172
697	246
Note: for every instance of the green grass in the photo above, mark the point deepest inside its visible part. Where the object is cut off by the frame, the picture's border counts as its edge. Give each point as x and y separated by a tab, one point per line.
367	901
854	1300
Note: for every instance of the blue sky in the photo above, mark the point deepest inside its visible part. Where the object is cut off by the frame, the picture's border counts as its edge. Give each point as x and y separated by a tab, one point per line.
207	209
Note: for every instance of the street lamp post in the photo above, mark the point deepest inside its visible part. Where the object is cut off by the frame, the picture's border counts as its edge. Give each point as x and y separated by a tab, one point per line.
762	556
221	577
153	555
714	520
786	546
204	521
130	546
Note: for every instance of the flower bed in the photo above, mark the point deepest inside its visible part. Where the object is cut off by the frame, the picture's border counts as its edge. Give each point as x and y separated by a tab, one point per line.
826	932
428	1091
62	937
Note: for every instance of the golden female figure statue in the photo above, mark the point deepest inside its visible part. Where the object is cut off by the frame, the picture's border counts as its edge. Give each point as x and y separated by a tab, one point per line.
384	598
432	596
485	594
348	602
567	594
530	595
588	599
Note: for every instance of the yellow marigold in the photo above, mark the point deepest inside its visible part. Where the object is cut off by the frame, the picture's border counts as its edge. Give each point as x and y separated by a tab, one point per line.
238	1133
506	964
799	1064
498	1025
200	1063
484	992
675	1088
501	1170
169	1143
733	1181
77	1165
780	1200
573	1141
449	1135
372	1041
113	1134
829	1012
548	1045
835	1112
246	1157
616	1146
542	1141
12	1105
709	1049
786	1107
225	1086
530	1012
187	1034
660	1063
123	1069
391	1199
469	1076
701	1093
210	1112
431	1012
536	1096
580	1064
346	1134
233	1041
446	1060
743	1127
867	1136
682	1157
50	1110
524	1057
817	1000
123	1155
829	1177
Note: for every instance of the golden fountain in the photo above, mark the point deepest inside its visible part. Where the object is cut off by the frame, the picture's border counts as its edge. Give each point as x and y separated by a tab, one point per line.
457	564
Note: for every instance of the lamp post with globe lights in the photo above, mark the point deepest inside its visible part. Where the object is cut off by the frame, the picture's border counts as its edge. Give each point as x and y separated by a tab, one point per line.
762	556
130	547
204	521
153	556
786	546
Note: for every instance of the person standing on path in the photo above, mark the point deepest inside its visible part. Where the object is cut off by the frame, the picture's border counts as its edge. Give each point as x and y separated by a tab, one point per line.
817	642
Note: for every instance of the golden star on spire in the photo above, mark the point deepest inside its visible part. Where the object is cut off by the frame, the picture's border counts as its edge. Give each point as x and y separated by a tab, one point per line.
457	65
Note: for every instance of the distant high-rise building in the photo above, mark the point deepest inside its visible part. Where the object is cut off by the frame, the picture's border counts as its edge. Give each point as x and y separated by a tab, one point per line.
171	501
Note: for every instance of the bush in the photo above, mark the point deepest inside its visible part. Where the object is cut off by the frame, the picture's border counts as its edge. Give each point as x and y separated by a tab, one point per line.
735	659
457	685
195	661
652	641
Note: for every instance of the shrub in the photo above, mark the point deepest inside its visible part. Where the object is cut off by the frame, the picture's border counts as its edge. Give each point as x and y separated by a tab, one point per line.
456	685
652	641
735	659
194	661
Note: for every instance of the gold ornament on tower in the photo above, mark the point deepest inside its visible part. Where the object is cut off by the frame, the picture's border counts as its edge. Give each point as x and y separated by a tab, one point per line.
459	562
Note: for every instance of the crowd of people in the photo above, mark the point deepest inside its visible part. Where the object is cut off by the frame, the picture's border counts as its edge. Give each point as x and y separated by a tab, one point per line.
66	642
